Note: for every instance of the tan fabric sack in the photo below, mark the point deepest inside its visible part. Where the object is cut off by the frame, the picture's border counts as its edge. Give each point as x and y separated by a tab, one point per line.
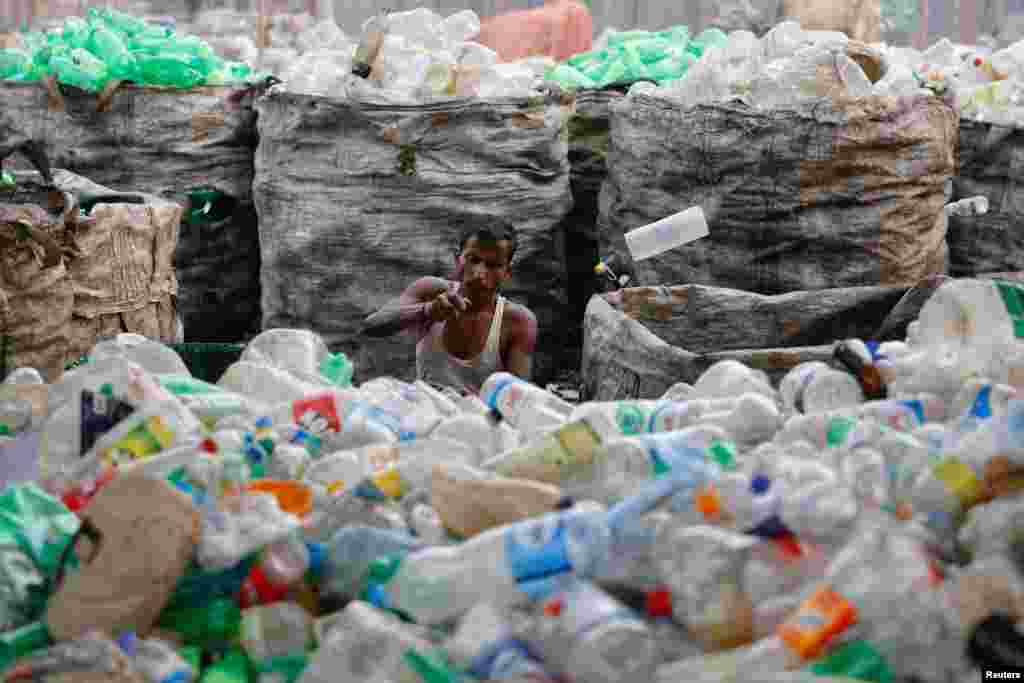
144	533
470	507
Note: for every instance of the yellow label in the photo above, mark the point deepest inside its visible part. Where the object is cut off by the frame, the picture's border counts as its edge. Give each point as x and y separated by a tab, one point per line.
960	479
335	486
389	483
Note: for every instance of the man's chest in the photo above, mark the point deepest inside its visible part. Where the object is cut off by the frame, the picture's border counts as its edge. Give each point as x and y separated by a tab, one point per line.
467	337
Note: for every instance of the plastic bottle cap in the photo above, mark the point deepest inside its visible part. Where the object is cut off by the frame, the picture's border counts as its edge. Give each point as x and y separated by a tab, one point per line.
316	558
209	445
127	642
564	503
760	484
383	569
708	503
724	453
659	603
978	61
554	608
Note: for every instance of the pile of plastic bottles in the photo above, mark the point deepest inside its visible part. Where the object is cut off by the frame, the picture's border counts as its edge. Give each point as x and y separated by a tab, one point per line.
839	524
632	56
109	45
783	69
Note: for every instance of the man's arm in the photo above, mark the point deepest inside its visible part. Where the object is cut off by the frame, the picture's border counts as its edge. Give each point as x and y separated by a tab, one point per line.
408	312
522	343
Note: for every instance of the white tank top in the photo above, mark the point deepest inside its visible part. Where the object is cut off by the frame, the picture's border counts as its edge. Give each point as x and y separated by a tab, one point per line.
434	365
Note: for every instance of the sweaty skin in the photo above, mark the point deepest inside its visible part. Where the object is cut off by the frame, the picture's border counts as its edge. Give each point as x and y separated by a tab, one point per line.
468	311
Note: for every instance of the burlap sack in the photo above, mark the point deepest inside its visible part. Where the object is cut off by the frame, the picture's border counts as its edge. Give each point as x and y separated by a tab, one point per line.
123	267
35	289
146	532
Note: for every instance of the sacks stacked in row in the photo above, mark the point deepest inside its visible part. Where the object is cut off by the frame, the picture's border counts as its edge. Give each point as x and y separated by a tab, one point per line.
395	532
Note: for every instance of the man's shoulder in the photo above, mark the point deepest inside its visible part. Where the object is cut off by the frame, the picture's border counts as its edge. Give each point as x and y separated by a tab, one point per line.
522	323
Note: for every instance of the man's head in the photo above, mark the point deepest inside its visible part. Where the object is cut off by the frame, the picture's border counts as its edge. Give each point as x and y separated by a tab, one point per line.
485	257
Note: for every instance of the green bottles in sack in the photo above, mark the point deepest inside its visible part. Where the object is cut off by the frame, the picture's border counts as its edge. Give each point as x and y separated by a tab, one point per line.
633	56
80	69
109	45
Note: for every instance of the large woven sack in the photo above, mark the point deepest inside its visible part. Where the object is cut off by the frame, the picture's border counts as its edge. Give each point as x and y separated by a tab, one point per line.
358	199
834	193
991	164
638	342
163	142
589	130
36	294
122	267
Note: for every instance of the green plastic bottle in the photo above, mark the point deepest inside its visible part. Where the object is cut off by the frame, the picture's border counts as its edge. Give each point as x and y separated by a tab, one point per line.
219	621
569	78
169	70
80	69
76	32
23	641
232	668
653	50
14	63
707	39
123	23
109	47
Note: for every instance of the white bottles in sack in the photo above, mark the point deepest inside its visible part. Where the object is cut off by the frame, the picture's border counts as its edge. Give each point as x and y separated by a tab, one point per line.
485	646
730	378
366	644
814	387
156	660
596	638
668	233
524	405
276	630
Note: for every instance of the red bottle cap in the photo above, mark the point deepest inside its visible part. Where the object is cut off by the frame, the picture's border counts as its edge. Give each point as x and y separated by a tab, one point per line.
978	61
554	608
659	603
209	445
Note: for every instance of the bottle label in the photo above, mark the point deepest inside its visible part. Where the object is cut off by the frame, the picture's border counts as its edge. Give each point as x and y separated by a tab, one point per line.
960	480
538	552
317	414
982	407
669	416
839	428
1011	294
151	436
824	615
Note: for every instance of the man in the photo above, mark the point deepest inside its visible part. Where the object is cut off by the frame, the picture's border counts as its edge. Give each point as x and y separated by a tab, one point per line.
465	330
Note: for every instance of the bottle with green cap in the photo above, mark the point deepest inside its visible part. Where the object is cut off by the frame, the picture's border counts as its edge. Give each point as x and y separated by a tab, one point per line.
23	641
169	70
232	667
80	69
14	64
108	46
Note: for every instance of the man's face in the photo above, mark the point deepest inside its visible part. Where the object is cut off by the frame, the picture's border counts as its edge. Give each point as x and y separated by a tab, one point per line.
485	265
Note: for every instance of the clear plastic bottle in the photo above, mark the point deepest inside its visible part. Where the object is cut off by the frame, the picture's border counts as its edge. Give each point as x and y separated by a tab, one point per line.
156	660
485	645
277	630
523	404
603	640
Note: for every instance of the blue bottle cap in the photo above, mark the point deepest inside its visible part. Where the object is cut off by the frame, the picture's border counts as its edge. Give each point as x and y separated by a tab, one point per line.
760	484
127	641
316	559
263	422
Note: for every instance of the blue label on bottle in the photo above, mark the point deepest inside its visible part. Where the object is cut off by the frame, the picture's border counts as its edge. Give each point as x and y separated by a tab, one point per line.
982	407
917	408
537	550
492	400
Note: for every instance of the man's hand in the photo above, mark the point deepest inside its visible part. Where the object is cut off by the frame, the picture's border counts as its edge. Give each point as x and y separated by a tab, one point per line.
447	307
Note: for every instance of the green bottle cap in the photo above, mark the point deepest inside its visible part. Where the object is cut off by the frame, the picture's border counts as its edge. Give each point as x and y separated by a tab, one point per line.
724	453
383	569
